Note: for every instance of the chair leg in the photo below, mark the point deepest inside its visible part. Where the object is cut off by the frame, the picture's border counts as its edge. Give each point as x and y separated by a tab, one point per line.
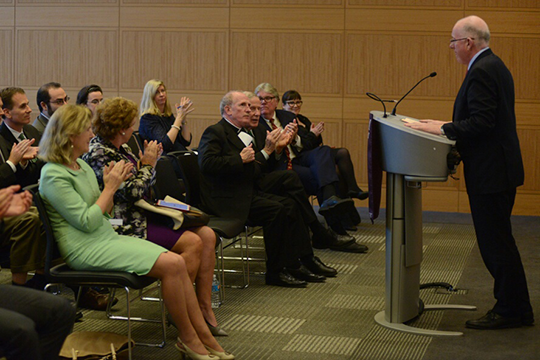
128	321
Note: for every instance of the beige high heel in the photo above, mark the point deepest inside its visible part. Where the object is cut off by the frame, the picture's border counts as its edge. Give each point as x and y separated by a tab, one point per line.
186	351
223	355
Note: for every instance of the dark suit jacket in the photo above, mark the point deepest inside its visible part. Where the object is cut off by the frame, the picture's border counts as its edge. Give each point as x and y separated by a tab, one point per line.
7	176
31	173
40	123
309	140
484	127
227	184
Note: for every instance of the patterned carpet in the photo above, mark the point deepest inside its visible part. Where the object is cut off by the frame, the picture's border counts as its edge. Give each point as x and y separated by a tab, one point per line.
332	320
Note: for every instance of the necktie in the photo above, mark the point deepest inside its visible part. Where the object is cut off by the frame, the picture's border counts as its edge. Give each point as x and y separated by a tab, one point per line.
287	153
21	137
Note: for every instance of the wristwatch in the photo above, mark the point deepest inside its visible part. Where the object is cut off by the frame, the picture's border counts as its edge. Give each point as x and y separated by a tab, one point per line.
442	131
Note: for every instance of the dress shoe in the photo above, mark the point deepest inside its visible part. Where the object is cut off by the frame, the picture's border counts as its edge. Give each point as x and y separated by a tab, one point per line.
527	319
362	195
185	351
341	237
325	237
349	247
283	278
95	301
303	273
216	330
493	321
316	266
334	206
223	355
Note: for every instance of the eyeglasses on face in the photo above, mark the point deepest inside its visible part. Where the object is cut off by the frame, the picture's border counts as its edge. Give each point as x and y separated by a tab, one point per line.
267	98
294	102
465	38
60	101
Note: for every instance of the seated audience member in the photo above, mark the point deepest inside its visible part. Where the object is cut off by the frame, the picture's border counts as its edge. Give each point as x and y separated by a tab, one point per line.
113	126
231	174
316	169
272	182
79	215
90	96
15	130
49	98
33	324
158	122
292	101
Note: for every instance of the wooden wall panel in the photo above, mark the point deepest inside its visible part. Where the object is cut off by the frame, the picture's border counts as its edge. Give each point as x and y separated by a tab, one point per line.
293	18
174	17
508	4
184	60
313	67
326	107
71	57
521	57
176	2
355	140
288	2
389	65
7	16
510	22
417	20
408	3
80	17
530	148
67	2
6	58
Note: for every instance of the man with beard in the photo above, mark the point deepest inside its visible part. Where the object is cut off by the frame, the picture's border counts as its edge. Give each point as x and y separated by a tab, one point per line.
49	98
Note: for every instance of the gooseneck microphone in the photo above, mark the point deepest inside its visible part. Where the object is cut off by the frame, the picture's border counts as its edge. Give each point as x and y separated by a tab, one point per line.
403	97
376	98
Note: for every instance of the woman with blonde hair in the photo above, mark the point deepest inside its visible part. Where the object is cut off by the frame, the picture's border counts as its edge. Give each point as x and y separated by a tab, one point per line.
158	122
79	215
113	125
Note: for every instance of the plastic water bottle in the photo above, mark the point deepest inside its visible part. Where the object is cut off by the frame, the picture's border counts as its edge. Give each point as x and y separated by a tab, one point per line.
215	293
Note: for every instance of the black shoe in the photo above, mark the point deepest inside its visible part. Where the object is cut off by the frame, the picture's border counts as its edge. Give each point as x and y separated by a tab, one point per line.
324	238
527	319
362	195
303	273
349	247
335	206
341	238
283	278
493	321
316	266
78	316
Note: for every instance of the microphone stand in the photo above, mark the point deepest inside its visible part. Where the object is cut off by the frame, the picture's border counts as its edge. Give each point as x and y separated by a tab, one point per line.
403	97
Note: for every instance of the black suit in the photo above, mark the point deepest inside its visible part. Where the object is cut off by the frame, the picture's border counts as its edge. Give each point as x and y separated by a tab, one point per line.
484	126
230	188
30	174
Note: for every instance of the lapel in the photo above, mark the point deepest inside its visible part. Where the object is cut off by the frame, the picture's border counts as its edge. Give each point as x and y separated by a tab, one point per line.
232	135
8	136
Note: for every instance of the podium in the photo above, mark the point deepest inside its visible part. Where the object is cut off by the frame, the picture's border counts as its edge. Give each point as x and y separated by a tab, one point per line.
409	157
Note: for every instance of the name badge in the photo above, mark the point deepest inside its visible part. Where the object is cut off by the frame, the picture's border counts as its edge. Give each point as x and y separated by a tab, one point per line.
116	222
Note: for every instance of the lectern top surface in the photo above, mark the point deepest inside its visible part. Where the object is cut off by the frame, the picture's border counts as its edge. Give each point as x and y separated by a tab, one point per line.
398	123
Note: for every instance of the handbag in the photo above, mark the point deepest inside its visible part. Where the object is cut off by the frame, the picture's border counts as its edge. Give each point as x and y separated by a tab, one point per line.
91	345
180	219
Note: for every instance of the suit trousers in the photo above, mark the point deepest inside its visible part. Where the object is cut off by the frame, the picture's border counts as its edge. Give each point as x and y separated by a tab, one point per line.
287	184
491	216
286	237
28	243
316	167
33	324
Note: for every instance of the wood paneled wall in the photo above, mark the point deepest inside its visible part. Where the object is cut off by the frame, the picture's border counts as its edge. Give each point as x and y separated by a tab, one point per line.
332	51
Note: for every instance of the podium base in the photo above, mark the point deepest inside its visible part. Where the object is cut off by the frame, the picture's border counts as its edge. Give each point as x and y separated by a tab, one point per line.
380	318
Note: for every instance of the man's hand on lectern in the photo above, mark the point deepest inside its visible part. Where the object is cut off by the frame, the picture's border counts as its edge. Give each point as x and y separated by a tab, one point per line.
427	125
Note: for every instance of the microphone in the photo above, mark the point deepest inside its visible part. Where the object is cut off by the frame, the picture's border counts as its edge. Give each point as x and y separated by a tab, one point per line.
376	98
430	75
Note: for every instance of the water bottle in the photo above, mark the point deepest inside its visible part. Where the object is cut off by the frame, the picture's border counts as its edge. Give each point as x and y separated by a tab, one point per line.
215	293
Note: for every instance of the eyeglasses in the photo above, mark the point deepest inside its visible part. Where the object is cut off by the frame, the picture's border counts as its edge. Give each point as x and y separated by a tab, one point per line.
294	102
60	101
465	38
267	98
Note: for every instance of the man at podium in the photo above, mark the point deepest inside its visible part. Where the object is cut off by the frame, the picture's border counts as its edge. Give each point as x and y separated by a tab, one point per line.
484	127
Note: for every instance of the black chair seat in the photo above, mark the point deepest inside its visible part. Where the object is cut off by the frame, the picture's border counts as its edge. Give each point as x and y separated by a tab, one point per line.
226	227
64	274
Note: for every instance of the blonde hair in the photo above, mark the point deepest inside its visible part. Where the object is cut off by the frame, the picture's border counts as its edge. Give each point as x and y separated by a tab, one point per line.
112	116
69	120
148	104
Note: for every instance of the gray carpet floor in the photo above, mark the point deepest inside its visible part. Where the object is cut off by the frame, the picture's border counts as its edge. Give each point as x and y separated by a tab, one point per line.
334	320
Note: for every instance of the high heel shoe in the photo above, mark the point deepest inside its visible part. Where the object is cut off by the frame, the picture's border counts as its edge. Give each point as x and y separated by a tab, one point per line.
216	330
223	355
185	351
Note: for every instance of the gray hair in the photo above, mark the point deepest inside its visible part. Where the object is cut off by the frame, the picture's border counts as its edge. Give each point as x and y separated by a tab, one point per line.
267	87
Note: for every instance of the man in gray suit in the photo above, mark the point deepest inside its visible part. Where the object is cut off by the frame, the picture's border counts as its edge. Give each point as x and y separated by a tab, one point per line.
49	98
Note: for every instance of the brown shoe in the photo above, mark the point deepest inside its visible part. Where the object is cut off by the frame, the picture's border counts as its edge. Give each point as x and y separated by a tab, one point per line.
95	301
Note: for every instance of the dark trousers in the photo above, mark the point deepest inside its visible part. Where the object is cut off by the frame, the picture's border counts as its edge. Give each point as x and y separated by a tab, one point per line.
316	168
287	184
286	237
33	324
491	216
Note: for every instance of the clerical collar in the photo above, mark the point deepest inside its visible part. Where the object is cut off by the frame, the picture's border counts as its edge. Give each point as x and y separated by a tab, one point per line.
236	127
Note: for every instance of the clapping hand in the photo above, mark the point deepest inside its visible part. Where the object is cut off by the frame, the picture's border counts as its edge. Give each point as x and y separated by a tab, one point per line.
317	129
12	203
115	173
152	152
22	151
184	107
272	138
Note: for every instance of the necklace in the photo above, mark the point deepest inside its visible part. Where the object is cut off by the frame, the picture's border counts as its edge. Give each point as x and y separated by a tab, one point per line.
74	166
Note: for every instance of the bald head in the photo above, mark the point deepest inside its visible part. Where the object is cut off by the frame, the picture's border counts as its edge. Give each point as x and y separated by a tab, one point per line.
476	28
